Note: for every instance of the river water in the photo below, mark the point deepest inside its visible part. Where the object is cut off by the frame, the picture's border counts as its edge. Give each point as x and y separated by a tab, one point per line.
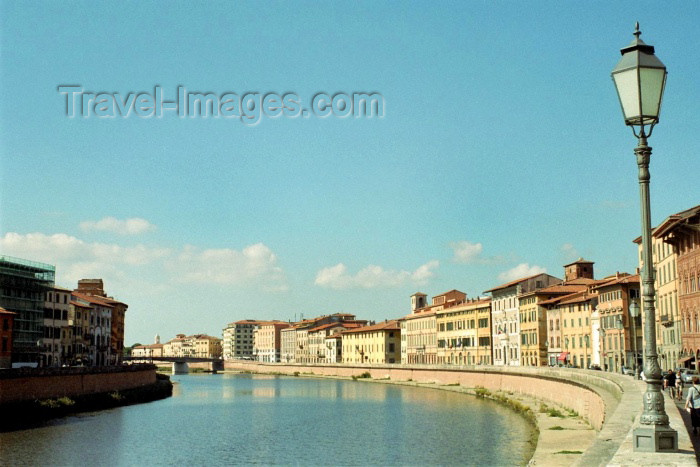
256	419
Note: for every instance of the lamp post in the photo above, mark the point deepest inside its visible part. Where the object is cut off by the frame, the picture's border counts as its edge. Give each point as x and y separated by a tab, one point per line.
620	328
602	335
634	313
640	78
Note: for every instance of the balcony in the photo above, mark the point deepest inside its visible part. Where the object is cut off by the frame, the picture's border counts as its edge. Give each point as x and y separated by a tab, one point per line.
666	321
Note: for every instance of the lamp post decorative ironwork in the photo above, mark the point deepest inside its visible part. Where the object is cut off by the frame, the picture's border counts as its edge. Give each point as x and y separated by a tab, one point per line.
640	78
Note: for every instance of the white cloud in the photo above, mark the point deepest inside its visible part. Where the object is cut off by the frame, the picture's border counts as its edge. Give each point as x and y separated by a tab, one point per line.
133	226
76	259
466	252
255	263
337	277
520	271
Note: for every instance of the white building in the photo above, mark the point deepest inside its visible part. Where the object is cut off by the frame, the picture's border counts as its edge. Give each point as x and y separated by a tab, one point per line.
505	316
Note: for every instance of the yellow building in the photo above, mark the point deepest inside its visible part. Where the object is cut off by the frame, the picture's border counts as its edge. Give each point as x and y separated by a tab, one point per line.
616	326
540	329
207	346
668	320
378	343
459	340
419	329
533	330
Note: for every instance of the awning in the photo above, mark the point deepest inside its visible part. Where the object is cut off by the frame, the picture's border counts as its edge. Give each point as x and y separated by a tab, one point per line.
684	360
562	356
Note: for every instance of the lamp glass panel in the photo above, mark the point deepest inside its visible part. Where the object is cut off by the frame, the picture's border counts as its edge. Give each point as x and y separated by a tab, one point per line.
627	86
652	83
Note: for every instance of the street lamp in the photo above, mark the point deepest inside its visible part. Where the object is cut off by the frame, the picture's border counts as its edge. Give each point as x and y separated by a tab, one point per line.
640	78
602	335
620	327
634	313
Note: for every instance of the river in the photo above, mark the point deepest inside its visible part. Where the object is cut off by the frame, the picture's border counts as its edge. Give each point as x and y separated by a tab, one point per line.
256	419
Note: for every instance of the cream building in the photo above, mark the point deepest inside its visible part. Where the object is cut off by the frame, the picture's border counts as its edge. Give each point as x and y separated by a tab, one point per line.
668	320
617	328
378	343
419	342
459	340
55	345
147	351
505	317
207	346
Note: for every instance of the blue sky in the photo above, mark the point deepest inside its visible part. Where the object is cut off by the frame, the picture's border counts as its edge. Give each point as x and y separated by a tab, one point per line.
502	151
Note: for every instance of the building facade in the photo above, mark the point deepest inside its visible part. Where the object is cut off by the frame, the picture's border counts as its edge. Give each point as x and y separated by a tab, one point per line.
23	285
267	341
621	341
378	343
463	333
682	232
420	329
237	340
58	335
505	317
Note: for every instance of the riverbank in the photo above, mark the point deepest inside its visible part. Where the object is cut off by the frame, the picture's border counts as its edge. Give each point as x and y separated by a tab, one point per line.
31	396
599	409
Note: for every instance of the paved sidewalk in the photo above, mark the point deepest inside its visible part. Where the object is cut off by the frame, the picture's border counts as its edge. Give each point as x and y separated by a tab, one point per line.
695	440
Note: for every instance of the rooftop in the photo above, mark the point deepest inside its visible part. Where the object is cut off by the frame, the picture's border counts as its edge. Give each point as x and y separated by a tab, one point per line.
391	325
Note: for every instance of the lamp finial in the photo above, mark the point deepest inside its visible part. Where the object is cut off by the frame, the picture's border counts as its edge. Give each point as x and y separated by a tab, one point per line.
637	32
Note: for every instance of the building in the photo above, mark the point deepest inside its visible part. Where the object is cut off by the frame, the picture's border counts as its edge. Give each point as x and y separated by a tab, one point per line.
541	324
238	339
319	352
288	341
334	348
302	353
668	322
464	333
180	346
147	351
6	325
420	329
100	333
617	329
206	346
23	285
267	341
378	343
571	343
79	313
117	317
682	232
505	317
58	335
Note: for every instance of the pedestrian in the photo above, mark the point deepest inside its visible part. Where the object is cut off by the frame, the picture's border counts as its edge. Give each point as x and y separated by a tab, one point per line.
679	386
693	403
671	384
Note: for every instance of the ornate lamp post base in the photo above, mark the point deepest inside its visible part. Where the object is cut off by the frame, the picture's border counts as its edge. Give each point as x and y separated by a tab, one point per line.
655	438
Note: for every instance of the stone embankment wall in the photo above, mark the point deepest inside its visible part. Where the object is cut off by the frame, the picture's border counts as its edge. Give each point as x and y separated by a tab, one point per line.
570	389
22	385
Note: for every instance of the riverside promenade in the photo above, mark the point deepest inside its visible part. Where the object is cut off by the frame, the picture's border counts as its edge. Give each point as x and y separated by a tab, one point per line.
602	408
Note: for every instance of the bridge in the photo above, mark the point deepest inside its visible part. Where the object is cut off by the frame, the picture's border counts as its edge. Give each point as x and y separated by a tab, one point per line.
181	364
